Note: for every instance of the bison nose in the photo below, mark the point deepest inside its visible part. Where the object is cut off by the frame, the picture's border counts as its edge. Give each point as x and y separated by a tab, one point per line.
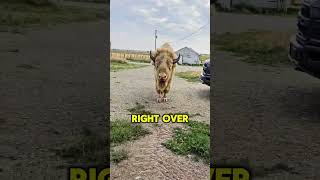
162	76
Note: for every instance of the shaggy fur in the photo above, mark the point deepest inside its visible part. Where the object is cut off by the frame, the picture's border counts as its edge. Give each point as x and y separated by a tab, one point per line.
163	64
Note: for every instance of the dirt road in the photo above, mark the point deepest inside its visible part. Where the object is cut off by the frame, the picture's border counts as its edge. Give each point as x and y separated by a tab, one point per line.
264	117
267	117
227	22
148	159
53	87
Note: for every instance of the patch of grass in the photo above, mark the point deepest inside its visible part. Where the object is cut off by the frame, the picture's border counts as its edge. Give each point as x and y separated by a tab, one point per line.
191	64
90	148
119	155
116	66
92	1
195	140
259	47
39	3
191	76
119	60
203	57
27	14
124	130
245	8
139	109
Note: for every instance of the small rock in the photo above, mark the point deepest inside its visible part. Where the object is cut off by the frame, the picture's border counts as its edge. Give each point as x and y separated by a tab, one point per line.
138	178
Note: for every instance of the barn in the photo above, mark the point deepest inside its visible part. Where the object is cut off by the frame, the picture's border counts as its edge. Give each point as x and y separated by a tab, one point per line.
188	56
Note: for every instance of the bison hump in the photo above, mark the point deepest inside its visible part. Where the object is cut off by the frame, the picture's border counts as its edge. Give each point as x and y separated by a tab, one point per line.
166	46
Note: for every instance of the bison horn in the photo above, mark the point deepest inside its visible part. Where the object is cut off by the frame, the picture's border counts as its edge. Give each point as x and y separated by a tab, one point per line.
151	57
176	60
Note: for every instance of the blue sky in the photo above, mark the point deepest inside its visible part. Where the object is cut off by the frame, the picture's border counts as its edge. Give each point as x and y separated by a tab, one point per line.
133	23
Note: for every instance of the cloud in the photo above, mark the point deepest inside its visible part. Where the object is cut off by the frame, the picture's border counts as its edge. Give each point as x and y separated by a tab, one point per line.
173	19
179	12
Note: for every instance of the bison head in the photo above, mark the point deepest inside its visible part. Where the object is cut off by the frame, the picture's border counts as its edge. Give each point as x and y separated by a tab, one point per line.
164	63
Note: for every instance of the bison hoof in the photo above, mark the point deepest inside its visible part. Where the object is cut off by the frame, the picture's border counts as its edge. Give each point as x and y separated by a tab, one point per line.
159	100
165	99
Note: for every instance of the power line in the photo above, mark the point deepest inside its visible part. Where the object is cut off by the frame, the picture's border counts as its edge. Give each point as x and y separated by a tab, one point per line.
191	34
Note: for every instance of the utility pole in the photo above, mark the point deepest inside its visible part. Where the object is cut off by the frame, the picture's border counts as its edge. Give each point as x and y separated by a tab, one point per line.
155	40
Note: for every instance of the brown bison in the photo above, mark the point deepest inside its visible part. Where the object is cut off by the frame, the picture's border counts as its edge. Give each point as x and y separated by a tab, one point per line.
164	61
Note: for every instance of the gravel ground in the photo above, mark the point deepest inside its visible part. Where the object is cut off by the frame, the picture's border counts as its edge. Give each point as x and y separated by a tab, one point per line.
148	159
49	90
267	117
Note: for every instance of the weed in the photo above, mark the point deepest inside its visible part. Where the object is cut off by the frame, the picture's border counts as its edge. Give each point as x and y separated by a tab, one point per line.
138	109
195	140
119	155
90	148
124	130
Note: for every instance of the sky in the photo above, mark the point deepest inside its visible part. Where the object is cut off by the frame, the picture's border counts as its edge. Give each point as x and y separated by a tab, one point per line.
133	22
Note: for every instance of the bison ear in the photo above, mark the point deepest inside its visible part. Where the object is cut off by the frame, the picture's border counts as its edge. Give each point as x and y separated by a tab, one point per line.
176	60
152	58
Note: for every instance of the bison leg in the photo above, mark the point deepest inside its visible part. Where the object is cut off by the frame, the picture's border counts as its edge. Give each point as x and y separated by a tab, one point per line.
165	99
160	98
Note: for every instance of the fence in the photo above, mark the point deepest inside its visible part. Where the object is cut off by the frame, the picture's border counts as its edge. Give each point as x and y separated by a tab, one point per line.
138	57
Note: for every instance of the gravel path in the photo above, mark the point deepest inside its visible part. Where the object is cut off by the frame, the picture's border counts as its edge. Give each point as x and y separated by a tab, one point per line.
49	90
267	117
148	159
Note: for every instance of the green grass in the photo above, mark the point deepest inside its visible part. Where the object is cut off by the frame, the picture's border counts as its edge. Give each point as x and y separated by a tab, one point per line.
191	76
116	66
195	140
248	9
38	3
259	47
25	14
90	148
138	109
191	64
92	1
119	155
124	130
203	57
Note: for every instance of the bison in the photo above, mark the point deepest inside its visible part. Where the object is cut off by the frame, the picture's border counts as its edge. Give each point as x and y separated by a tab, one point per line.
164	61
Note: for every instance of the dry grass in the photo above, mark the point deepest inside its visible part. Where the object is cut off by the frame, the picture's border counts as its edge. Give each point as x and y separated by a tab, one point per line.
191	76
26	13
264	47
118	60
119	64
136	57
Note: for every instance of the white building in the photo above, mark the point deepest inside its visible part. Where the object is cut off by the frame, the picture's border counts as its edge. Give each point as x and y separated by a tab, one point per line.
188	56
